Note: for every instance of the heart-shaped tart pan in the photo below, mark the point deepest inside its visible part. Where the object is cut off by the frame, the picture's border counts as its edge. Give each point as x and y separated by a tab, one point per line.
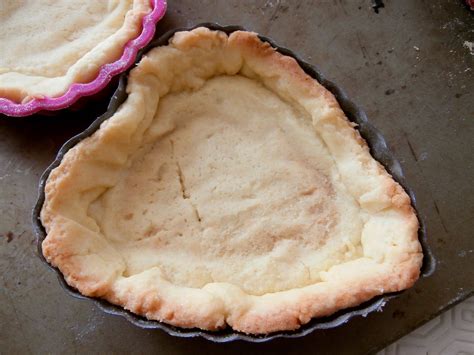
379	151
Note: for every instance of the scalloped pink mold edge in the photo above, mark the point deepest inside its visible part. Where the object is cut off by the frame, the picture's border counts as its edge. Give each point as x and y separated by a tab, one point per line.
106	72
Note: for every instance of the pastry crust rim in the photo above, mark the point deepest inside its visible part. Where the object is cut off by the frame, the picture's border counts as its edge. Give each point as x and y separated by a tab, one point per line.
285	315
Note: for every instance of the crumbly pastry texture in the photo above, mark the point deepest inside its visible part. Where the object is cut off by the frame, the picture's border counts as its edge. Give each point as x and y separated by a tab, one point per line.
229	189
49	45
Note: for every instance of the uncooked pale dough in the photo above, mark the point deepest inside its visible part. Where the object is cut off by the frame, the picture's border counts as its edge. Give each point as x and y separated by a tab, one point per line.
237	187
48	45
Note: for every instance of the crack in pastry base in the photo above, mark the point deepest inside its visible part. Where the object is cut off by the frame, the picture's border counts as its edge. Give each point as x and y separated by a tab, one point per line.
184	193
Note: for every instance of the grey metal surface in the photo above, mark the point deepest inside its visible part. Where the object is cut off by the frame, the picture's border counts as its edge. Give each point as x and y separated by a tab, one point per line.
410	68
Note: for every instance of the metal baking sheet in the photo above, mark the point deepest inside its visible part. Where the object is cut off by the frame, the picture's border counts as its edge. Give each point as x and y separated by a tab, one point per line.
407	66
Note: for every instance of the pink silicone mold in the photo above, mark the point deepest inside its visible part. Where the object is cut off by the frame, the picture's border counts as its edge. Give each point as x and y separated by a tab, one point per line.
106	72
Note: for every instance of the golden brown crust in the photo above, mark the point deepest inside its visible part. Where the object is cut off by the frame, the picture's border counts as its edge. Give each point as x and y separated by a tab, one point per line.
391	254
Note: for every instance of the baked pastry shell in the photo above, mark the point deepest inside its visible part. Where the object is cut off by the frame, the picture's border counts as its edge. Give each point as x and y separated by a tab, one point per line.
106	73
378	148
